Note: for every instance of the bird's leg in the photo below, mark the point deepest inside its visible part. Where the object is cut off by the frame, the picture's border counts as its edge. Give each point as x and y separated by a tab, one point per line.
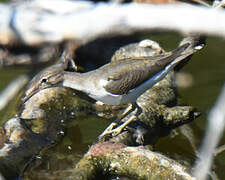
109	130
137	112
128	110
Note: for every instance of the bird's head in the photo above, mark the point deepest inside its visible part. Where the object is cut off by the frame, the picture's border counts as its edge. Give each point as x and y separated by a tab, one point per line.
49	77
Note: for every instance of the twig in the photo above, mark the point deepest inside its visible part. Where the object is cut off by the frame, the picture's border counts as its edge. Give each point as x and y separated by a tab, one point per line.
219	150
12	89
216	122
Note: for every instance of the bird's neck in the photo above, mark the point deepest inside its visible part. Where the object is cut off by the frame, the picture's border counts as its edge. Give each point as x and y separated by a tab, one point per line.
75	81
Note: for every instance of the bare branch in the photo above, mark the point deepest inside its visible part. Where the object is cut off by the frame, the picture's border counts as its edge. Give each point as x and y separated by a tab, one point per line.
56	20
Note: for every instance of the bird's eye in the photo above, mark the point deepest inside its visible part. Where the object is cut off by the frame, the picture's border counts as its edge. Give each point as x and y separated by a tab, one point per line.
44	80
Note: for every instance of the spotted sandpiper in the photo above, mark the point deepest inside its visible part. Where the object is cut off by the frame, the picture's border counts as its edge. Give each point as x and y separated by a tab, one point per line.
118	82
121	82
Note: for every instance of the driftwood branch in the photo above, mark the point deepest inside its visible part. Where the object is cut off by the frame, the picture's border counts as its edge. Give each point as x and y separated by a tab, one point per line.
54	21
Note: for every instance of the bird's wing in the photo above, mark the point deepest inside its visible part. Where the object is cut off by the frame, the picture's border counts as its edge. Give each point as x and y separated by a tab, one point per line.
129	74
126	77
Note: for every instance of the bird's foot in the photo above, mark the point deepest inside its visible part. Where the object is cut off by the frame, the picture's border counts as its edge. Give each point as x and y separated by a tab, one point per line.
108	130
114	132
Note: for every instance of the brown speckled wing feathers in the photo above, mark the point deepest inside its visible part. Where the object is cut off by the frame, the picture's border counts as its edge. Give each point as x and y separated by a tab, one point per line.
122	77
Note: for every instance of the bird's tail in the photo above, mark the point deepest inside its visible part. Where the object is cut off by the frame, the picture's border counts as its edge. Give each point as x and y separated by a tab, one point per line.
182	52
